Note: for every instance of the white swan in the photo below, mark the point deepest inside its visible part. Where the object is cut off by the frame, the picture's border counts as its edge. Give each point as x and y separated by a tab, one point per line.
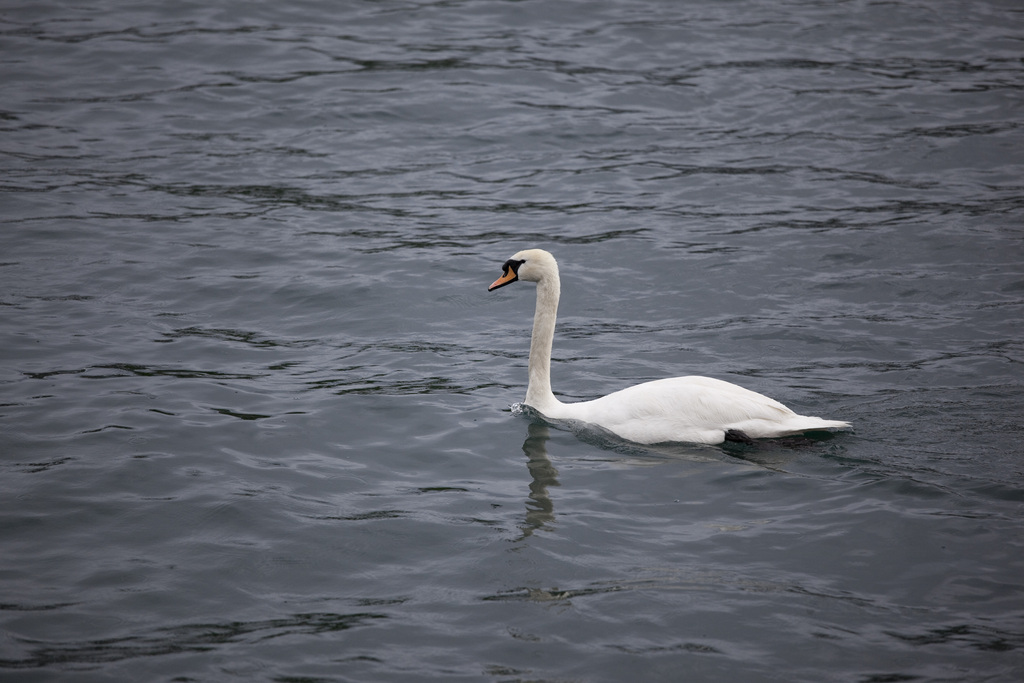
678	409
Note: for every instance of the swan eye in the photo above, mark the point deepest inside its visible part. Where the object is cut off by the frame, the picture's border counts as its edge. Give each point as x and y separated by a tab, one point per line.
512	265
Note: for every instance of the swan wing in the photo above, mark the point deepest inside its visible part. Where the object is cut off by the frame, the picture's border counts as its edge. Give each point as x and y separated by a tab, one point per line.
695	410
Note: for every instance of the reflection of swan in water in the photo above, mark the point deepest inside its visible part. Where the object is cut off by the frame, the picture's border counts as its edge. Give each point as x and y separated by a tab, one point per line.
679	409
540	511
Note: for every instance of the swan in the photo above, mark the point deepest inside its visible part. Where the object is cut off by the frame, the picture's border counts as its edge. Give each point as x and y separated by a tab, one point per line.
678	409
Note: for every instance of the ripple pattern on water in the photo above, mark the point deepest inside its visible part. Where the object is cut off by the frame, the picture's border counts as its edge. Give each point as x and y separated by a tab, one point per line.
259	416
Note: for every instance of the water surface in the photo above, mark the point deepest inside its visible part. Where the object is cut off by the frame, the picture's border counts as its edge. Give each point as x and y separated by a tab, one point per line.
254	396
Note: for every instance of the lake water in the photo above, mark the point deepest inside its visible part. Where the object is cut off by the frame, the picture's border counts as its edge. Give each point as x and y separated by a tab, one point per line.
255	399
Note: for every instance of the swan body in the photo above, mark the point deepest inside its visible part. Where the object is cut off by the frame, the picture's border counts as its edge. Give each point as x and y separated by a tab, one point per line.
677	409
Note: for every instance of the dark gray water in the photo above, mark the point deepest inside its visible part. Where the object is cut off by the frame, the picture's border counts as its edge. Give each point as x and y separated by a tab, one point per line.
254	397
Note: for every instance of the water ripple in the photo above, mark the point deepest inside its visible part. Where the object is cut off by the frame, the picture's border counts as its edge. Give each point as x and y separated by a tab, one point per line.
256	397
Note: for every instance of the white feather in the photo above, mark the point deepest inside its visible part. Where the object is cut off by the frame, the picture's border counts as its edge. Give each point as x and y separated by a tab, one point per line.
678	409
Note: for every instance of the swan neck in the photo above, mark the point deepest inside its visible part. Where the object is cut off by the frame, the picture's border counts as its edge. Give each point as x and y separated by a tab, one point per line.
538	392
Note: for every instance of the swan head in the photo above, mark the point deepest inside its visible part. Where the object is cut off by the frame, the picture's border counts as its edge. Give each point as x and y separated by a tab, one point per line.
529	265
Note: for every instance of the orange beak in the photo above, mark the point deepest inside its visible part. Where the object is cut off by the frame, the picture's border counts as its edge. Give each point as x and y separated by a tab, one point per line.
508	277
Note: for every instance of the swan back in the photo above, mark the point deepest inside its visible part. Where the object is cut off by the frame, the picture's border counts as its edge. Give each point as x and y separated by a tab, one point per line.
691	409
